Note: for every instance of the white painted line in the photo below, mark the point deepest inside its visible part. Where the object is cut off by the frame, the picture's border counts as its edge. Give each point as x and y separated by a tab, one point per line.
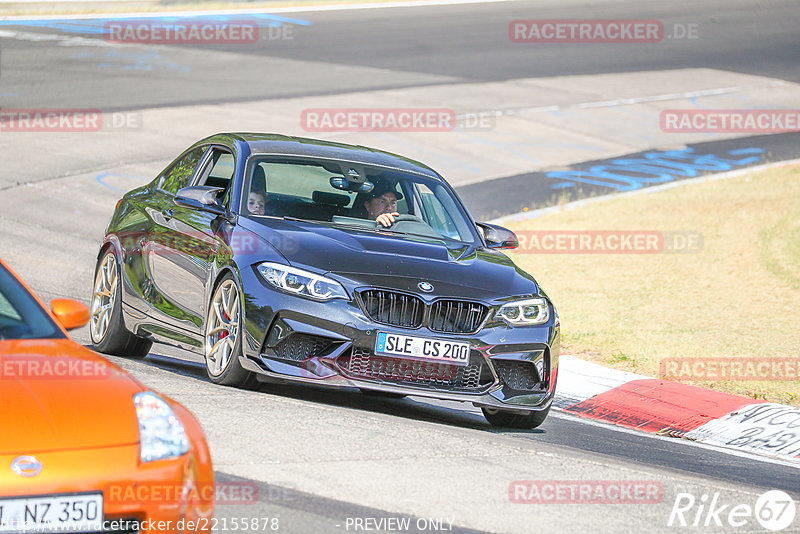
658	98
579	380
64	40
533	214
560	414
88	2
619	101
583	378
252	11
765	428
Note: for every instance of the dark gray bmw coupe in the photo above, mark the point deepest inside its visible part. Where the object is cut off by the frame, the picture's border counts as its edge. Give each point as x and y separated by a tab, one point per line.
274	257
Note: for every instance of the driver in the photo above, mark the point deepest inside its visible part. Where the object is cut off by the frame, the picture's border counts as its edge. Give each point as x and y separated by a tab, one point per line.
381	204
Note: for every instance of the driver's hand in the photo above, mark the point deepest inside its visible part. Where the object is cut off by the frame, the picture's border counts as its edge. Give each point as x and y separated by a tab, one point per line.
386	219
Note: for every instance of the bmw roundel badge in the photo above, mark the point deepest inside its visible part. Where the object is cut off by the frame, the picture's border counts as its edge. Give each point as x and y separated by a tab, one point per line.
425	286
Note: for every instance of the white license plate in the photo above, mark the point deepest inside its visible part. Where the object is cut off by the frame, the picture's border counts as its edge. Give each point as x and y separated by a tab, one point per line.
52	513
422	348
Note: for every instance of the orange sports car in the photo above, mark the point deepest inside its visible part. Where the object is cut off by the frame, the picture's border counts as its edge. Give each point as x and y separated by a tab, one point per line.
84	446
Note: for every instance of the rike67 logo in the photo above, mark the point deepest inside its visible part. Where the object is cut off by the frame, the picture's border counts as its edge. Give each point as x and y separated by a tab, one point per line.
774	511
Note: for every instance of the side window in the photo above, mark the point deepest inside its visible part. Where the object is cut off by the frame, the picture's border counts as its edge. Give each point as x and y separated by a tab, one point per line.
7	310
218	171
178	176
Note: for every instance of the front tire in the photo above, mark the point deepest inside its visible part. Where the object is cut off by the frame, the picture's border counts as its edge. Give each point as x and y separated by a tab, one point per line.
106	326
501	419
223	337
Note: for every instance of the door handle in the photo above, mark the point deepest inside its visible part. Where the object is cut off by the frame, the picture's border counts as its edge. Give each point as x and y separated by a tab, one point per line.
168	213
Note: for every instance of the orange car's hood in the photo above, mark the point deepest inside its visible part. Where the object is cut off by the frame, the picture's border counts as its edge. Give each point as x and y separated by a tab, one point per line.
58	395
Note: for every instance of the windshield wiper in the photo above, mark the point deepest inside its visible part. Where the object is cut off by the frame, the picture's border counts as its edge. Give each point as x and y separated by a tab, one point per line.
288	218
438	236
378	229
331	223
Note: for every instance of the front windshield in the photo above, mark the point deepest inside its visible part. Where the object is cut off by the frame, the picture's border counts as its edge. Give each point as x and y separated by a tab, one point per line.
21	316
332	192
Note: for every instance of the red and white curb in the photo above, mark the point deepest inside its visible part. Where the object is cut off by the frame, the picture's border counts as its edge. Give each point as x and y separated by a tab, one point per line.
669	408
673	409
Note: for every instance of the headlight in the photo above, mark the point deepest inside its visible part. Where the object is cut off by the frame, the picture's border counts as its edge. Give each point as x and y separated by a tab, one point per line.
301	282
161	434
525	312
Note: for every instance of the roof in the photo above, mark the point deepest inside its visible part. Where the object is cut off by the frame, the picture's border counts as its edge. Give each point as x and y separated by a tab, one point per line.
266	143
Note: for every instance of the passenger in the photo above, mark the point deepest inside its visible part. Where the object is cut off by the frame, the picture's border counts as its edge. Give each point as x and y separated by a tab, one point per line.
381	204
257	202
258	199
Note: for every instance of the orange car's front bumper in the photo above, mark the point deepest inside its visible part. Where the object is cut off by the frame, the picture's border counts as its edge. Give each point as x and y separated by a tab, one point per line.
173	495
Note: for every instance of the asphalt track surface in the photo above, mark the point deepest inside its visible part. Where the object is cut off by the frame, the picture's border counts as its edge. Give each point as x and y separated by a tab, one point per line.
512	194
394	48
321	457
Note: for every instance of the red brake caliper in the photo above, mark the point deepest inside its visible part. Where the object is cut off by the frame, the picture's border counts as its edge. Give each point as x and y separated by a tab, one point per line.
224	333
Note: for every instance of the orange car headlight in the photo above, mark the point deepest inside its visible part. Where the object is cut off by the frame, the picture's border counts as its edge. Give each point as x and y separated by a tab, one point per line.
161	434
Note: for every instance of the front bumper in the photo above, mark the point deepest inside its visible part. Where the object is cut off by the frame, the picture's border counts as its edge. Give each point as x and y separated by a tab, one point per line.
137	498
332	344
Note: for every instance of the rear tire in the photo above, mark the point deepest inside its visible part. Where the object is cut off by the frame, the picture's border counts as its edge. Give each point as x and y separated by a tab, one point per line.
223	337
501	419
106	326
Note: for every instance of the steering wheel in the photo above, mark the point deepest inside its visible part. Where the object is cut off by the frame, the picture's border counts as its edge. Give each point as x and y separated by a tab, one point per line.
407	217
411	224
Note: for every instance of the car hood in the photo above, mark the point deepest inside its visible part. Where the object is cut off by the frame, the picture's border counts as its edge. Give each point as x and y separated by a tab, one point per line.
57	395
383	258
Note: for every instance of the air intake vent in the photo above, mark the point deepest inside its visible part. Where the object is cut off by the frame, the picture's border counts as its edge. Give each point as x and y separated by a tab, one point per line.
364	363
517	374
456	317
299	347
396	309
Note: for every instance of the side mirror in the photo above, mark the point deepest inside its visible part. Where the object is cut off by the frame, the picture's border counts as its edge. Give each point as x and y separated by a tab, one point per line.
497	236
201	197
69	313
